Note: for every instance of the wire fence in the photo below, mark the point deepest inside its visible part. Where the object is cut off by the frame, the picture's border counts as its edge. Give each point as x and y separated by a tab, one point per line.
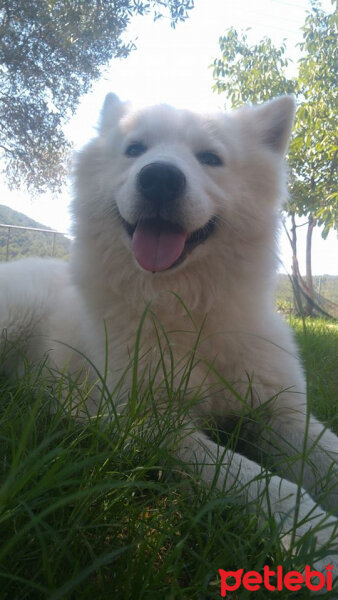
10	237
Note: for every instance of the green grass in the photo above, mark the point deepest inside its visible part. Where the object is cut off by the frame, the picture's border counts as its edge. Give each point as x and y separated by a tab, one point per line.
318	343
97	510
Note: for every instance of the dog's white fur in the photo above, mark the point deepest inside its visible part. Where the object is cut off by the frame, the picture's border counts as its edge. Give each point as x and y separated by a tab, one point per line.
227	284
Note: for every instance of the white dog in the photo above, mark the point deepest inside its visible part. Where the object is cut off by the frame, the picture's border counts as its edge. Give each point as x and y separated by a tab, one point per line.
181	210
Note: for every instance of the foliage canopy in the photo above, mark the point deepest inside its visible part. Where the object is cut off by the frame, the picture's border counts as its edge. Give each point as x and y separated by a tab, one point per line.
257	73
50	53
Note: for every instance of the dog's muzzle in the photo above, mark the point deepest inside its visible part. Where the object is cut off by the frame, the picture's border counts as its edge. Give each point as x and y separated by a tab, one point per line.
159	242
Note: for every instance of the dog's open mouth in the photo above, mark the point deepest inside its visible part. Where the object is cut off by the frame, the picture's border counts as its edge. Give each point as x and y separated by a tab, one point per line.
159	245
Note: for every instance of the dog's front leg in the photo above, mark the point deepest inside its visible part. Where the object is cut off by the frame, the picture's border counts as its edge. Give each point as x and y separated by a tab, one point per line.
303	450
291	507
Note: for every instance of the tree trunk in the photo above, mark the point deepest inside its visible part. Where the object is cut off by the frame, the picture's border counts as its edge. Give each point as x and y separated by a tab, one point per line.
309	280
297	300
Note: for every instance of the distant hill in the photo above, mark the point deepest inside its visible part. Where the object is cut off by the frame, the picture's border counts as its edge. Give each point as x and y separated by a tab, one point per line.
28	243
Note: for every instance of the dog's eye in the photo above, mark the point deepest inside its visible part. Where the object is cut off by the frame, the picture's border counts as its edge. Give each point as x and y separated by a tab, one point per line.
209	158
135	149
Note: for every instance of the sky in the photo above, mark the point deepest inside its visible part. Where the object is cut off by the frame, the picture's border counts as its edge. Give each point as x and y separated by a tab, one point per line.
173	66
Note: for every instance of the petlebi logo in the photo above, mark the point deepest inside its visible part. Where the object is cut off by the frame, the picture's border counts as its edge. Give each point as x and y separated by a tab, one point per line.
276	580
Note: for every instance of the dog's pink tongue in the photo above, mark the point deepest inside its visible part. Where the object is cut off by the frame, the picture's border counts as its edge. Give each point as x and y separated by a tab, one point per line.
157	244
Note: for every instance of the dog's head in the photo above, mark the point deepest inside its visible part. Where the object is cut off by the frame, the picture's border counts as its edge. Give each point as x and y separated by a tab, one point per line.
173	181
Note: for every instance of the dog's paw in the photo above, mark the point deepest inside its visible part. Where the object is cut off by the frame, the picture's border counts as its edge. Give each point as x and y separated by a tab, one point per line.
298	516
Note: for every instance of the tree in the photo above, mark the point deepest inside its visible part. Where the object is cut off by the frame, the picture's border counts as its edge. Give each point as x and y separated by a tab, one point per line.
313	152
256	73
50	53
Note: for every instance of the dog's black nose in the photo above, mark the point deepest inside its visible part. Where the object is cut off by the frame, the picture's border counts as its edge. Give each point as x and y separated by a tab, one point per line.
161	182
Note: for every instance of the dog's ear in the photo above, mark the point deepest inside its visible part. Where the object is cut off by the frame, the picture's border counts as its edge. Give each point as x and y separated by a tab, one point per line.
274	120
112	111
